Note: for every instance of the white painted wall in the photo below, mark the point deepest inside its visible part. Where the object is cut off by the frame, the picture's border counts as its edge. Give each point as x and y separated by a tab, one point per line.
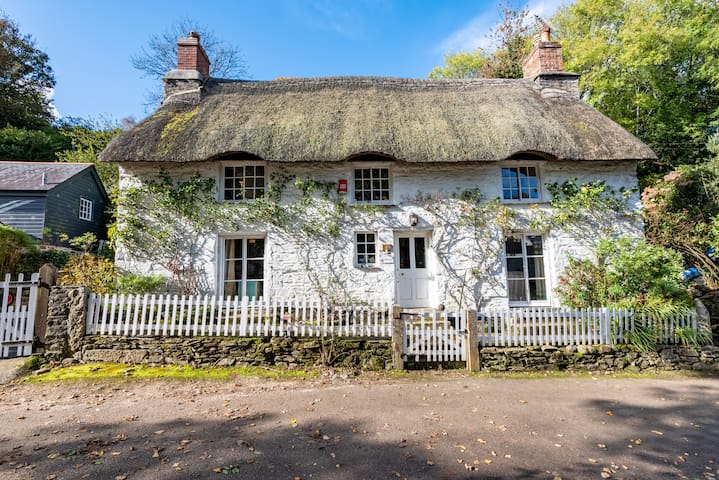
332	272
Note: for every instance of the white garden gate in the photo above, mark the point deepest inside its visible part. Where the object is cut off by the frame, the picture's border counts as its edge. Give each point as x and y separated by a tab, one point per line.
434	336
17	315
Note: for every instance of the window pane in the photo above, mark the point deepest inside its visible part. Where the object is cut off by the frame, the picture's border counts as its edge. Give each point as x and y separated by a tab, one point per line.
404	253
249	170
254	288
515	268
255	247
231	289
537	289
535	267
534	244
513	246
260	170
516	291
419	253
229	172
254	269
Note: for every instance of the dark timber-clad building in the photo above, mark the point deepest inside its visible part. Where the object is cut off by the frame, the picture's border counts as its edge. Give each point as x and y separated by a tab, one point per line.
40	198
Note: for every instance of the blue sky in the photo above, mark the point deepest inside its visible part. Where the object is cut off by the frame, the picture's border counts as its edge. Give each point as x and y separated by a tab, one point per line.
90	42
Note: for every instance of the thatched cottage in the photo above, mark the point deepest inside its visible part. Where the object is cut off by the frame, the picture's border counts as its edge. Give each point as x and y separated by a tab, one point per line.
422	192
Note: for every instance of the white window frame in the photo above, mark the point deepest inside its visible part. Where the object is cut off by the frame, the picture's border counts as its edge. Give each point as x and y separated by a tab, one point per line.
85	212
241	164
525	267
517	166
372	165
365	255
222	257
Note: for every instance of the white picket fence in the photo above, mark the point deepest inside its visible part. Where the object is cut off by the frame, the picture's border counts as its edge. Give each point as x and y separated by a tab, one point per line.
17	315
568	326
172	315
435	336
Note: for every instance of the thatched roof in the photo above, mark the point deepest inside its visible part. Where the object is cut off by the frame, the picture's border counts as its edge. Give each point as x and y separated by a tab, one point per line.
332	119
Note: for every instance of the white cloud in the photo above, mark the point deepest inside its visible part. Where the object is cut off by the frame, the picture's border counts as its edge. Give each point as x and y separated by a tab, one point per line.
475	33
471	36
49	93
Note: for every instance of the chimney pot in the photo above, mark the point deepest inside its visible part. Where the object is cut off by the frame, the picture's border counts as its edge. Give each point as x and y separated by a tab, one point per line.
544	34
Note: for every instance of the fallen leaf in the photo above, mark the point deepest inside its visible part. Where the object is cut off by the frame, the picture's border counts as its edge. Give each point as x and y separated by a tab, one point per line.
159	432
120	477
482	441
488	461
657	432
53	455
593	460
609	413
430	462
638	441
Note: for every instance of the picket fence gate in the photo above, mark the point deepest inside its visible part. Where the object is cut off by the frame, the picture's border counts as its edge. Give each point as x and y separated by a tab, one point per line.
17	315
173	315
434	336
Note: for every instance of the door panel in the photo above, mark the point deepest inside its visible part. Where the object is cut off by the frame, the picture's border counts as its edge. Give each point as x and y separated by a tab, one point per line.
413	275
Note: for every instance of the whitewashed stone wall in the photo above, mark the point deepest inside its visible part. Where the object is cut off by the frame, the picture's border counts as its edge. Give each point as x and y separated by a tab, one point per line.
463	275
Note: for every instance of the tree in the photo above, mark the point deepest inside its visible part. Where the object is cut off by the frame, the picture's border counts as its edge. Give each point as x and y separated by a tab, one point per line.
87	138
512	41
160	55
31	145
650	65
25	79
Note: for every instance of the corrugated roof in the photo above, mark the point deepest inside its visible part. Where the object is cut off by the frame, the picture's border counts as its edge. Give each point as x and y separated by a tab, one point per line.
28	176
332	119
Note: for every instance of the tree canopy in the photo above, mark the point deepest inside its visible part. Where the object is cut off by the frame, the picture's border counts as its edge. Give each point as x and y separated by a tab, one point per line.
650	65
512	39
25	80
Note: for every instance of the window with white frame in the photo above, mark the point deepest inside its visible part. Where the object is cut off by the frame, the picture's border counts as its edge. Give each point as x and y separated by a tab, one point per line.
526	279
371	185
85	209
243	182
366	249
520	183
244	267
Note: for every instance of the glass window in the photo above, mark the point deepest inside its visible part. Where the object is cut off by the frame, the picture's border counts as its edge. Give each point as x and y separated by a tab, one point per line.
244	182
526	279
366	254
371	185
244	270
85	209
520	183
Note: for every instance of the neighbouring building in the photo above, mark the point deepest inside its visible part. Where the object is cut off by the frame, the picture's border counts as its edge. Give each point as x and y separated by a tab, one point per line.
46	199
423	192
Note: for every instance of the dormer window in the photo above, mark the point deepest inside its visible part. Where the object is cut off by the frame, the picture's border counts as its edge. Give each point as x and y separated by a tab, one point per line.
243	182
371	185
520	184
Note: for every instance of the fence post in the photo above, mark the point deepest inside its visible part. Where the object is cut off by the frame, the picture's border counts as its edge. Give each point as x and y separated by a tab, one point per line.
472	345
397	338
48	278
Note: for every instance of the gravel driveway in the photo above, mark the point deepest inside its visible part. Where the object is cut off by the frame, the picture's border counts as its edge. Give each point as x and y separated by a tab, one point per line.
432	425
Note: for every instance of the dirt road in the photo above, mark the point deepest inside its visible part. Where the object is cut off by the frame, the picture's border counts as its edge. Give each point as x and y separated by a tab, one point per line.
433	426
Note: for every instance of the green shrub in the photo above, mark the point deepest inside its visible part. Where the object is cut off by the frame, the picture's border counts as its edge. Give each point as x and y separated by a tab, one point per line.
15	247
139	284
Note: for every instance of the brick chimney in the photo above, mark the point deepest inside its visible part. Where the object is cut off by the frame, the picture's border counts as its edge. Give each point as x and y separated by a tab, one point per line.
544	65
191	55
184	83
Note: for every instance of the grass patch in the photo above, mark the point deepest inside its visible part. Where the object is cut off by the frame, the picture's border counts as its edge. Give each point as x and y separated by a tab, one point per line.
99	371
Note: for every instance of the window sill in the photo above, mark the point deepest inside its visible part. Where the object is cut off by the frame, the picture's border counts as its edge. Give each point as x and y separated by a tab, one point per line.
368	268
542	304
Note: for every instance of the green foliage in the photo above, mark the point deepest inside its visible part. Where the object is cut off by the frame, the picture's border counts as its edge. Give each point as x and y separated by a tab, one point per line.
644	337
25	77
136	284
31	145
512	41
681	211
15	245
576	203
96	273
650	65
692	337
627	273
87	138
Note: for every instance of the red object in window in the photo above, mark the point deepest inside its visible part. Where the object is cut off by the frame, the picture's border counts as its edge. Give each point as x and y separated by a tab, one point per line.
342	186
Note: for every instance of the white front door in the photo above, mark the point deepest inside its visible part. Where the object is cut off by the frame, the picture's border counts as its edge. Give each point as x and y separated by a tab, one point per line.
412	269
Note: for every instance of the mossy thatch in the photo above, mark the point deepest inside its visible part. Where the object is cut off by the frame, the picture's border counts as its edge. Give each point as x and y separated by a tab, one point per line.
332	119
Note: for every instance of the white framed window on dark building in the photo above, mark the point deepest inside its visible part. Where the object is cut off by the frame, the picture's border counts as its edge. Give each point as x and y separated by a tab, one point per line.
85	209
244	267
